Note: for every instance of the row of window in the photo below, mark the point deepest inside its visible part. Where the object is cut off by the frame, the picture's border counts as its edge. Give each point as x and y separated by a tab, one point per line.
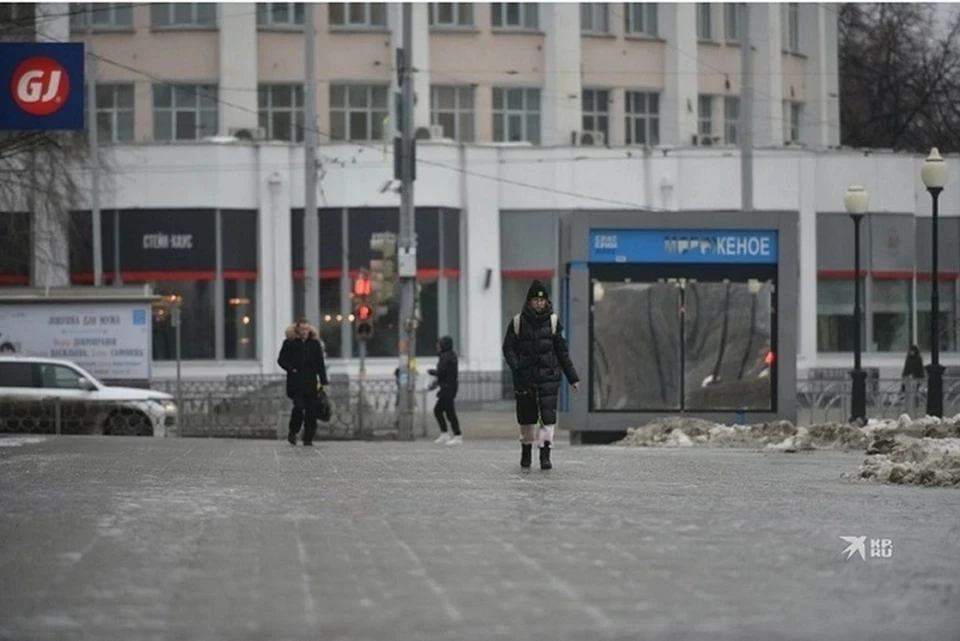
359	112
889	316
639	18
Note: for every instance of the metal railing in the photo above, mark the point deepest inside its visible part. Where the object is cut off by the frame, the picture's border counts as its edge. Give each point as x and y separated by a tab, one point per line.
827	401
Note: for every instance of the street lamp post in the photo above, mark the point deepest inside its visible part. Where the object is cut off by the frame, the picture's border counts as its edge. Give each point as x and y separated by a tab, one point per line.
857	202
934	176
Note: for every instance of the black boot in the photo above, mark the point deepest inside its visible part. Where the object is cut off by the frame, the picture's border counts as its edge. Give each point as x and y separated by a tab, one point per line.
291	437
526	454
545	463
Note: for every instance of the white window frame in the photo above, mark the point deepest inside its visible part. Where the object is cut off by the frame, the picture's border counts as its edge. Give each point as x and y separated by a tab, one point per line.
601	96
704	21
792	118
113	110
368	21
528	16
463	15
791	27
265	16
648	117
595	17
108	16
731	22
640	19
375	115
203	96
167	11
731	125
461	113
501	110
705	115
266	109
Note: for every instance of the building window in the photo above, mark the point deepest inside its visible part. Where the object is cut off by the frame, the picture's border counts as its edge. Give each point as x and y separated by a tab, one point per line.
451	15
731	22
792	113
240	320
641	19
643	118
516	115
514	15
184	112
452	108
704	21
115	112
705	115
835	316
358	15
594	17
106	15
596	111
332	318
791	27
166	15
281	111
197	333
947	315
21	18
280	14
731	119
358	112
891	310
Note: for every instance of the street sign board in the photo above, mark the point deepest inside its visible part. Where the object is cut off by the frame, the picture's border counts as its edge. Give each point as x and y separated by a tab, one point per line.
41	86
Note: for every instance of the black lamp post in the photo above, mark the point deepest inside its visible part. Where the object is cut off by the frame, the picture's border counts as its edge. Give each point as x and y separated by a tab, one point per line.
856	202
934	176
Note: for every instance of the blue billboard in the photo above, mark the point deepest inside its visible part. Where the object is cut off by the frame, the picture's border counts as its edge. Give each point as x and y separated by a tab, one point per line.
711	246
41	86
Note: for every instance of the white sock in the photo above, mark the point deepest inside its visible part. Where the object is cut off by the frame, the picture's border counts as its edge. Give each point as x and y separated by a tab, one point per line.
546	434
526	434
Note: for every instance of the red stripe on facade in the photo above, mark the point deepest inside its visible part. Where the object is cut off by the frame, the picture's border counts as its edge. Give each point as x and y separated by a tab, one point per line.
848	274
527	274
10	279
423	274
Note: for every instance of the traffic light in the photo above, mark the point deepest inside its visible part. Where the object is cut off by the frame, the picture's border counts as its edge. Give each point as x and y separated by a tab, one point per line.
363	310
383	269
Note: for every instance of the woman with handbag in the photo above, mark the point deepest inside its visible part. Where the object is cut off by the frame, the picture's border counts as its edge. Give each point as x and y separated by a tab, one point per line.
302	358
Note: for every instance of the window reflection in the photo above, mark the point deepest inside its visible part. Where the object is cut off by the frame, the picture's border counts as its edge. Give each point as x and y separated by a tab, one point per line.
330	314
240	316
197	336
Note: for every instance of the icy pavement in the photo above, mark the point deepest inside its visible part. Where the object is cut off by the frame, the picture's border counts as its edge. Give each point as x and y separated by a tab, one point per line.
126	538
923	451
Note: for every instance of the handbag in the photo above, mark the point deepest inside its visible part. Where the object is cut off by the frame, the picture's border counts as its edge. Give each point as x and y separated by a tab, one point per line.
324	409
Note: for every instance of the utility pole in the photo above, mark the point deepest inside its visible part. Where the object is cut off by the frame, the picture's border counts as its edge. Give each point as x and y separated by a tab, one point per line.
311	218
746	110
407	249
92	137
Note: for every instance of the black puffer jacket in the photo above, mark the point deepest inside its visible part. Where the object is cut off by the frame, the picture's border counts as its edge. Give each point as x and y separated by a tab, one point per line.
303	362
447	371
538	357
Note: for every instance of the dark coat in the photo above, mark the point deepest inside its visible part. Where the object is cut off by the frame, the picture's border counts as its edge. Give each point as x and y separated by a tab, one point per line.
913	366
537	357
447	371
303	361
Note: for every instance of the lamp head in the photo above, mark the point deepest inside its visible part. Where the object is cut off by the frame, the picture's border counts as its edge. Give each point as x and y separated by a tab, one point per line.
857	200
933	173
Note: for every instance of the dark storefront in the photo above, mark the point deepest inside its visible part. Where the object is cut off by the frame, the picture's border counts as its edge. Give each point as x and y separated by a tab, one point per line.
344	252
15	244
205	259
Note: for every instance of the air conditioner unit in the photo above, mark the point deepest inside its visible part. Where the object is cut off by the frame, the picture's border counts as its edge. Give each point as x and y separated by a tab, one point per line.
248	133
433	132
588	138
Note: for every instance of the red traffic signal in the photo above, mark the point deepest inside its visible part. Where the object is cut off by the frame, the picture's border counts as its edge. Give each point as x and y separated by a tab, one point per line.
364	313
361	286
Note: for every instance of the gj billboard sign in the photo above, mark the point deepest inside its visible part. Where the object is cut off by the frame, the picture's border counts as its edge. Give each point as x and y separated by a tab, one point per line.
41	86
713	246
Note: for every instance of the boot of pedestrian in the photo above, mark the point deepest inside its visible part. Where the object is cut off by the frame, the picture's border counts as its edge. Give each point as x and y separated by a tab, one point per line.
545	463
526	454
291	437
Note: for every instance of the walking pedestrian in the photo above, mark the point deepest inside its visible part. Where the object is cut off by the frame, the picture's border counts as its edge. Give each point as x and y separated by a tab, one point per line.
447	379
302	358
537	354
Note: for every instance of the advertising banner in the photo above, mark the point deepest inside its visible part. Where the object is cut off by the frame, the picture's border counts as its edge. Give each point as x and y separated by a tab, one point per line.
110	340
41	86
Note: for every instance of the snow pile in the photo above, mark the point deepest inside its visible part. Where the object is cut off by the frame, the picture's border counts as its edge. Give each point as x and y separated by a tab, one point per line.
17	441
908	460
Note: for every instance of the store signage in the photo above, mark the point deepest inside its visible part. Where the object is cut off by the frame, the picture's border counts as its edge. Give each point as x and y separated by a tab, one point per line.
41	86
168	241
683	246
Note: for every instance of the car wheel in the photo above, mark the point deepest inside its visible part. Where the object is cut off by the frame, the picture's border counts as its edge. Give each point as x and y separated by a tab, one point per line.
127	423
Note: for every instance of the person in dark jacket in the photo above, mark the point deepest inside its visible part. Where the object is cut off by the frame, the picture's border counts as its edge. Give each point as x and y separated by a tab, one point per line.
447	373
301	357
537	354
913	365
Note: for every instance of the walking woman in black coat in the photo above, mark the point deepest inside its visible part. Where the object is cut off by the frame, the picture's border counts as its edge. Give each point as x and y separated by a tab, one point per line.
301	357
538	357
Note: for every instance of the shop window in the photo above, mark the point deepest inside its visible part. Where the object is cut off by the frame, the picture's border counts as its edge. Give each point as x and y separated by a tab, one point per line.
947	315
197	335
331	316
428	330
835	316
891	311
240	316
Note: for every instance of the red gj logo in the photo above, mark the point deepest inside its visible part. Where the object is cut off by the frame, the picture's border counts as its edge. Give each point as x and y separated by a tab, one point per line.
40	86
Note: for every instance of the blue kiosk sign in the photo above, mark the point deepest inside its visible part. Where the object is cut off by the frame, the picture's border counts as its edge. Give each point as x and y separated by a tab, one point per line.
687	246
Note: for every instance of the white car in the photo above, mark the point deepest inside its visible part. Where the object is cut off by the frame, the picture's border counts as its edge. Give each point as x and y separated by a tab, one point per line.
50	395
